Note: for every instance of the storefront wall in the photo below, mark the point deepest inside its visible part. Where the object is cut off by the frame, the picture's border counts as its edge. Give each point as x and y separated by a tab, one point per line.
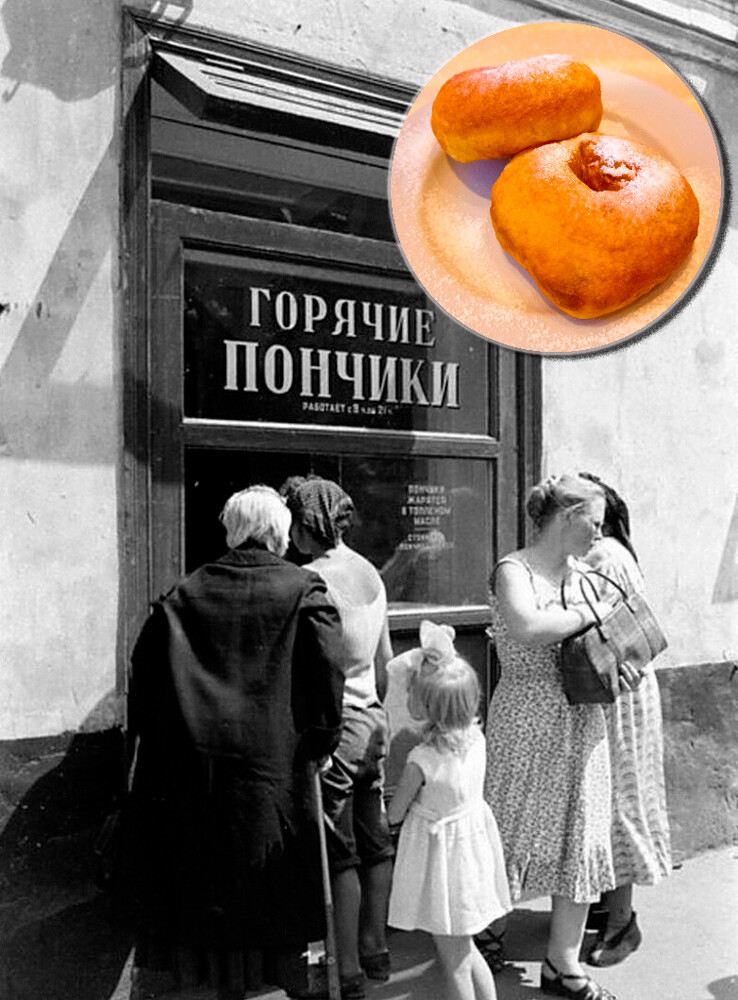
664	429
658	418
59	410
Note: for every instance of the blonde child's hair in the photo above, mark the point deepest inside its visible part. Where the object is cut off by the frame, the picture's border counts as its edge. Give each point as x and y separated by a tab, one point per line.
445	695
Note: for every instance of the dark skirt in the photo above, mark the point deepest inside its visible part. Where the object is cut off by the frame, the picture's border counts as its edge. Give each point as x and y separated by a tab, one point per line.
224	870
161	965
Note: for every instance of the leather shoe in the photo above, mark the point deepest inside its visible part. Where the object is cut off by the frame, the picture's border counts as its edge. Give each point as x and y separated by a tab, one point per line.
352	988
611	951
376	966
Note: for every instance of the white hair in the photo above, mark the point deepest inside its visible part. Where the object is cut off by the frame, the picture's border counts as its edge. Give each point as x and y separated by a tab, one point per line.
257	514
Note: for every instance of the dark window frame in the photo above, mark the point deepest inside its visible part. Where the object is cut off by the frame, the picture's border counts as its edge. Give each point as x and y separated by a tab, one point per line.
154	432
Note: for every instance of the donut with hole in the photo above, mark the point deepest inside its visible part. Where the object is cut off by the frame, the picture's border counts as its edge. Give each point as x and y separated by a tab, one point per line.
596	220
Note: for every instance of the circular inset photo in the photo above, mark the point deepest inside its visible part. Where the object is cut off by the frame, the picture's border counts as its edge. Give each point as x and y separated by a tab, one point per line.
557	188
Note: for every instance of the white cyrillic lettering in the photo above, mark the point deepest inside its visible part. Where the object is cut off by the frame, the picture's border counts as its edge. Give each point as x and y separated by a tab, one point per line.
383	384
255	310
279	311
316	309
399	327
445	383
345	313
249	361
423	323
276	357
356	376
412	388
307	367
376	322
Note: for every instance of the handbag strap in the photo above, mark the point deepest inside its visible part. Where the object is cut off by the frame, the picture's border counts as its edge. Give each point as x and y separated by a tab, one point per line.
586	578
613	583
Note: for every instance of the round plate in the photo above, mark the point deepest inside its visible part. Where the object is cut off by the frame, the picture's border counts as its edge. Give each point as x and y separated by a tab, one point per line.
440	208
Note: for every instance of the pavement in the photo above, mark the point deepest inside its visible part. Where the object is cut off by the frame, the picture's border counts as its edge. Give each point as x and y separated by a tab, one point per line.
689	952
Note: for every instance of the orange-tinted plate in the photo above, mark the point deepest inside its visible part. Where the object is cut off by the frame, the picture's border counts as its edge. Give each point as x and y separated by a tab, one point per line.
440	208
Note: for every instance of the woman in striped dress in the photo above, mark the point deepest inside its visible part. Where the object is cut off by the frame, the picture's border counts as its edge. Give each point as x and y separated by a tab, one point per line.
640	826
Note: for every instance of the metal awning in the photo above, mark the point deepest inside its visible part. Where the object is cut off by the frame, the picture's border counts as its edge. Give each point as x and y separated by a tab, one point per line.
257	97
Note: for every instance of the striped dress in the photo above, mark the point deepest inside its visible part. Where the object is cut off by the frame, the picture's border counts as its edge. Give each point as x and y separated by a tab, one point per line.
640	825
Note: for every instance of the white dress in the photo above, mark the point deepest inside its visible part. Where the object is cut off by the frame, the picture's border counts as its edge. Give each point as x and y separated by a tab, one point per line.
449	875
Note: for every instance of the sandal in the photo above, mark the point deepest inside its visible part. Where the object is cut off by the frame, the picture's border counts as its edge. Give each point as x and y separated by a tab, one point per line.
376	966
492	948
555	984
611	951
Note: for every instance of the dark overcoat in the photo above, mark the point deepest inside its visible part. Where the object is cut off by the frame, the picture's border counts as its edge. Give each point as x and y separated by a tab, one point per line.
236	685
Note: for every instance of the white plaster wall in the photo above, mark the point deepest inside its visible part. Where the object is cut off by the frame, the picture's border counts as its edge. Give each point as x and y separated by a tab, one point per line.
402	39
659	421
59	420
59	392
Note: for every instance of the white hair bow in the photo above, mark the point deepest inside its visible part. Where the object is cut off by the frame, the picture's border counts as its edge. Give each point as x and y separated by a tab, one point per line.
437	643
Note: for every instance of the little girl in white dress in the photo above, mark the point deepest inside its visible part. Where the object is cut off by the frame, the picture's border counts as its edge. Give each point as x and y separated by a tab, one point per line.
449	876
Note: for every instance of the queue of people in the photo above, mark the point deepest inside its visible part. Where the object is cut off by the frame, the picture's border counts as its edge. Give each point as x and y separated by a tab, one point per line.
253	673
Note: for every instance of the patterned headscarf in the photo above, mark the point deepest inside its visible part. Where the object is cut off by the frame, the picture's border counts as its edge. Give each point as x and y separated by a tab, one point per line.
321	505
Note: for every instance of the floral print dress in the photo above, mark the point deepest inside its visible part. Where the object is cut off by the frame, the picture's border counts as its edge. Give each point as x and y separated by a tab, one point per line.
548	771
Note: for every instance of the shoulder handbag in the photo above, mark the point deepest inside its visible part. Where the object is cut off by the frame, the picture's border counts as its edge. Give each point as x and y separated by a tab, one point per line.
590	660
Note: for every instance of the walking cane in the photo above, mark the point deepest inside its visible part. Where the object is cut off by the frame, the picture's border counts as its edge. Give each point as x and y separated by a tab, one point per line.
331	961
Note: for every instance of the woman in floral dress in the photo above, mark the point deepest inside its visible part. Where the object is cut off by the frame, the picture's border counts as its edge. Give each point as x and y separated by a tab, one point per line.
548	771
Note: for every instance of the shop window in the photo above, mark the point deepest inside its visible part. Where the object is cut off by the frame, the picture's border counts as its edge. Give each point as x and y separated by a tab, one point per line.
339	343
274	330
425	523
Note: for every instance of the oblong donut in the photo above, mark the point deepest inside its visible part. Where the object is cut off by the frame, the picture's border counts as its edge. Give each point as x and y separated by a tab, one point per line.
497	111
597	221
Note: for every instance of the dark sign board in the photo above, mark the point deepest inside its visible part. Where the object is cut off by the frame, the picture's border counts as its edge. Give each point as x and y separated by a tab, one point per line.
282	341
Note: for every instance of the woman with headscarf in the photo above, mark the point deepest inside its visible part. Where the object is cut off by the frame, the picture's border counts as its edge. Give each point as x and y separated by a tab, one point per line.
359	845
640	824
235	690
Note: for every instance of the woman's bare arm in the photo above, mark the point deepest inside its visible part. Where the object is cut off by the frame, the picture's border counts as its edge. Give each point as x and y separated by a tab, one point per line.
528	623
381	659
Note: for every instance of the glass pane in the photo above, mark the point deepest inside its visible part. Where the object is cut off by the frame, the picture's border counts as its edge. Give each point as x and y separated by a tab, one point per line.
282	340
230	190
425	523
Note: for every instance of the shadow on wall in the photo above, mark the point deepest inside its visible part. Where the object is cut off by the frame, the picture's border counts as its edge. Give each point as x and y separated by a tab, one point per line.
724	989
56	941
55	44
726	584
67	48
700	704
71	49
50	420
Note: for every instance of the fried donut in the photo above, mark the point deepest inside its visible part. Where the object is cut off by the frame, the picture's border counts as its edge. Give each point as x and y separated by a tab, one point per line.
597	221
499	110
